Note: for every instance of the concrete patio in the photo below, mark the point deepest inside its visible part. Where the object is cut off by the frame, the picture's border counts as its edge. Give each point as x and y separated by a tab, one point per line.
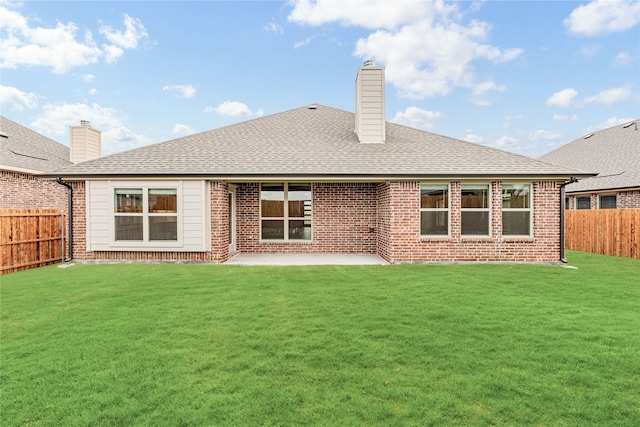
306	259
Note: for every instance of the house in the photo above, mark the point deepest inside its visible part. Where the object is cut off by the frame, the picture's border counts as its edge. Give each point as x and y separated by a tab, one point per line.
316	179
615	154
23	154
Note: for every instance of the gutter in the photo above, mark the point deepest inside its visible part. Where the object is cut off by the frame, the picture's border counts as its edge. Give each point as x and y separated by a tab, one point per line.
562	209
70	216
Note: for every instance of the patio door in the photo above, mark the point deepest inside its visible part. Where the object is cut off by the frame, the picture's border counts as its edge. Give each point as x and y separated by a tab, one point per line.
232	219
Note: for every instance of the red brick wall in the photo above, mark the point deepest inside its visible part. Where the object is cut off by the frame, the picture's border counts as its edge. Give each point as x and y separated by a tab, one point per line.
25	191
343	214
402	242
624	199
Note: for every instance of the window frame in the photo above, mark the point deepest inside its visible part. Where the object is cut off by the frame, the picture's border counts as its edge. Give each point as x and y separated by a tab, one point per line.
286	218
145	215
447	209
614	195
577	202
487	209
529	209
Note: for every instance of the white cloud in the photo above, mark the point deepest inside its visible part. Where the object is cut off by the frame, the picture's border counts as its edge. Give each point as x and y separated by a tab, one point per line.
92	91
15	100
565	118
590	49
59	47
273	27
416	118
622	58
472	137
303	42
563	98
88	78
481	91
180	129
544	135
116	136
603	17
369	14
610	96
185	91
129	38
424	46
233	109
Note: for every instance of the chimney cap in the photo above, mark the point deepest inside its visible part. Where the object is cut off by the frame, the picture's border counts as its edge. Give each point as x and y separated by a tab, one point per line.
85	123
369	63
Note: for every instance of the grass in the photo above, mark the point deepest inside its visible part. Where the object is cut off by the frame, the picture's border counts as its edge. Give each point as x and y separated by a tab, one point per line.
152	345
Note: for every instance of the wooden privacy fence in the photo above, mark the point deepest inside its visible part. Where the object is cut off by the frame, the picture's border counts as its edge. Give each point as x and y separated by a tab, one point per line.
604	231
30	238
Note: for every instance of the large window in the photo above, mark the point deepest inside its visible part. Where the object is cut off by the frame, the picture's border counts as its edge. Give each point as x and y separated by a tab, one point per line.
145	214
434	209
516	209
475	209
285	211
607	201
583	202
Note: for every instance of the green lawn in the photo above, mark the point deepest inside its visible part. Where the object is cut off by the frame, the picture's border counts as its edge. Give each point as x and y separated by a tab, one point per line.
199	345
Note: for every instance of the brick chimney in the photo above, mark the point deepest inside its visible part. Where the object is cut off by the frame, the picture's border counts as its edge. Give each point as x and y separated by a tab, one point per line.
85	142
370	119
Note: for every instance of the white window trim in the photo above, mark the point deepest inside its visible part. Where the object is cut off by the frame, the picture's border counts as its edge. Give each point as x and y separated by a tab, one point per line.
145	243
285	218
448	210
530	209
487	209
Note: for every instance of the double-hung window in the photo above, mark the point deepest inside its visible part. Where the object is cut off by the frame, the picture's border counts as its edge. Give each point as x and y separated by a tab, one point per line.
516	209
434	209
583	202
607	201
285	211
145	214
475	215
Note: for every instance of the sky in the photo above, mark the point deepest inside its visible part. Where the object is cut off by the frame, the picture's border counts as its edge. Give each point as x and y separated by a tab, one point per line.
521	76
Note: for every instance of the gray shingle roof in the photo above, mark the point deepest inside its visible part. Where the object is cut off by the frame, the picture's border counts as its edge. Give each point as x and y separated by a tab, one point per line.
614	153
312	142
23	149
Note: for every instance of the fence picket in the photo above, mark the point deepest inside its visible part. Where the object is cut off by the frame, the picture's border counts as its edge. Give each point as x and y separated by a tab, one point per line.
30	238
604	231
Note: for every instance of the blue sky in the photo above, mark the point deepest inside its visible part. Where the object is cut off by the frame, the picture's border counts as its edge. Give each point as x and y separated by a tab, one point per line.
523	76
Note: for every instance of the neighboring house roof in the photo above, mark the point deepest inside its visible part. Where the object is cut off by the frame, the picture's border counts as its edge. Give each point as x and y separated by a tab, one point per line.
614	153
23	150
314	141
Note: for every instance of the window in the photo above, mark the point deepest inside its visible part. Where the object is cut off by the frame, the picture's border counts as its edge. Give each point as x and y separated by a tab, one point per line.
583	202
475	209
434	209
285	211
145	214
607	201
516	209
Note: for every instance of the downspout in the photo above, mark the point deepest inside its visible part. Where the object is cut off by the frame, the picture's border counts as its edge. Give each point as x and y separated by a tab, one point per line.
70	216
562	208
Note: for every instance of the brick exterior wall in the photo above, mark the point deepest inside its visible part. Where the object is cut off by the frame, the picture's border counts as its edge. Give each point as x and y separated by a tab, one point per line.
369	218
624	199
343	214
25	191
402	242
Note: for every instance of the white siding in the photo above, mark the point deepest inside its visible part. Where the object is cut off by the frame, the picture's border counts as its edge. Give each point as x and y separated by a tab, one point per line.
193	226
370	117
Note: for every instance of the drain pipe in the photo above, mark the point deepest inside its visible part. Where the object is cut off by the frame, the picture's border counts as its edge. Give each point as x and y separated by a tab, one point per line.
562	208
70	216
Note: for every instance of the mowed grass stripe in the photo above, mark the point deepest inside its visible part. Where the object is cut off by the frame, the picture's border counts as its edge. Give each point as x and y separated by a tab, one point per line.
323	345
